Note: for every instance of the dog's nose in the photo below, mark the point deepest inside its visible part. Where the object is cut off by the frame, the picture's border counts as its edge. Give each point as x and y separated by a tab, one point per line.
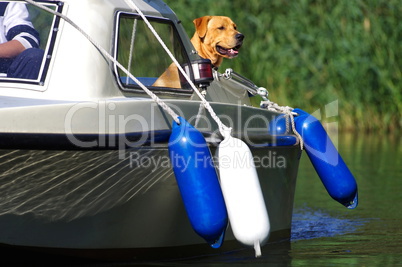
239	37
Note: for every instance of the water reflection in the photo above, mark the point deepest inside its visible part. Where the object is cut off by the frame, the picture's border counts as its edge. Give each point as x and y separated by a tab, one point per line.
308	223
67	185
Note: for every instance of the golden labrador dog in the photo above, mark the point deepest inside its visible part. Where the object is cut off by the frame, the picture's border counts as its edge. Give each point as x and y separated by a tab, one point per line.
215	38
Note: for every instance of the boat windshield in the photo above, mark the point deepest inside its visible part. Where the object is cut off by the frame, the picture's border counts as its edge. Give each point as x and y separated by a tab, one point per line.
138	50
36	30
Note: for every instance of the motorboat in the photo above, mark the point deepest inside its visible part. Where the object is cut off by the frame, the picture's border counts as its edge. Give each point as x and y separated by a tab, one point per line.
85	167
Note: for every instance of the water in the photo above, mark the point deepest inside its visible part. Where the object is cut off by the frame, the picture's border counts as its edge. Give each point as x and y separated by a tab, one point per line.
324	233
370	235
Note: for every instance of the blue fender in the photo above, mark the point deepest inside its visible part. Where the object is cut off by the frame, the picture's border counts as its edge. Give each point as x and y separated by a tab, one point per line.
328	163
198	182
277	126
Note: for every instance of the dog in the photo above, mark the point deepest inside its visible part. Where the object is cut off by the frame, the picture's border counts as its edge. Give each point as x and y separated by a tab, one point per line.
215	38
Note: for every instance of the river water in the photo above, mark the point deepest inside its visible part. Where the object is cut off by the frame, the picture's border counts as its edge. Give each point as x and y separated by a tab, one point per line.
324	233
371	234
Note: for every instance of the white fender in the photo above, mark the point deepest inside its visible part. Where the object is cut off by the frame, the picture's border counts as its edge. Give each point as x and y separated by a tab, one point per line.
241	189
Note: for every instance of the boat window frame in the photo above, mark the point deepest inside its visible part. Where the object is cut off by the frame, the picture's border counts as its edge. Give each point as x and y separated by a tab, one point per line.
154	89
48	50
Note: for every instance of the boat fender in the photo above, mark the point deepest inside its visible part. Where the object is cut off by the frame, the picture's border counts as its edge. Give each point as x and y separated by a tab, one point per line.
328	163
198	182
241	189
277	126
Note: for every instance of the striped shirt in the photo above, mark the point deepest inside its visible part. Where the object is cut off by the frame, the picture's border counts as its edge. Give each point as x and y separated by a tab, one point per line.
15	25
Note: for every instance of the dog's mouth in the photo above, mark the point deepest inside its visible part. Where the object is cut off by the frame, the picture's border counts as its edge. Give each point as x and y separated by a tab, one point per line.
228	52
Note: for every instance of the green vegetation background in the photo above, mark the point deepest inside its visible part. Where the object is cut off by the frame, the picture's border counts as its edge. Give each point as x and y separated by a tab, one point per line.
309	53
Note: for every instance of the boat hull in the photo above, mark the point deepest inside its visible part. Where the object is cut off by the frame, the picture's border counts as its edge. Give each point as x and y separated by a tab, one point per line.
88	200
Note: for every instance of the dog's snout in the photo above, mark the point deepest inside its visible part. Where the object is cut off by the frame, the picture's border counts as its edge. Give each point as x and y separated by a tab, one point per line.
239	37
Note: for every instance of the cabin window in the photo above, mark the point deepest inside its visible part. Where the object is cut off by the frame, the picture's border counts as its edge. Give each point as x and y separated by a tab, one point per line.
36	30
138	50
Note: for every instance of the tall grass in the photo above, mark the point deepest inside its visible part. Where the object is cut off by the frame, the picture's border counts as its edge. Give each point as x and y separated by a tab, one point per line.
309	53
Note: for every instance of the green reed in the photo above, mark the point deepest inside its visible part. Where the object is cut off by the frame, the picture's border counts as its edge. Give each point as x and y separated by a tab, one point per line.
309	53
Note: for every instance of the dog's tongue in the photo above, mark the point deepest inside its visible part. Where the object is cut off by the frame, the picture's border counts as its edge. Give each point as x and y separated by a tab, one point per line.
233	52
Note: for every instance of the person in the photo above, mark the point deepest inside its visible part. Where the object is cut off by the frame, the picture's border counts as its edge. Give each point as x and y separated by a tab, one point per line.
20	55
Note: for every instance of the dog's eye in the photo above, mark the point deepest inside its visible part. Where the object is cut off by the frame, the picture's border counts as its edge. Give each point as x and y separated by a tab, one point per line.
221	28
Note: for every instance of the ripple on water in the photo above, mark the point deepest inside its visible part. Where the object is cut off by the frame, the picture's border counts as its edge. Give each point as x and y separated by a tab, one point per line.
308	223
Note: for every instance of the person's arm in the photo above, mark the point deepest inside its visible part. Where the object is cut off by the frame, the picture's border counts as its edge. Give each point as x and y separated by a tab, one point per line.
11	49
19	30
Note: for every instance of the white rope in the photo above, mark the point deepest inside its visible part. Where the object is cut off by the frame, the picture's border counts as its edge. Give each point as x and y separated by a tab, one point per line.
130	58
288	111
206	104
107	55
200	110
292	119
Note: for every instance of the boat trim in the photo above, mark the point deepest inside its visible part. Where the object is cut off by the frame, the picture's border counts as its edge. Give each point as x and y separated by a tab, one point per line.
51	44
127	140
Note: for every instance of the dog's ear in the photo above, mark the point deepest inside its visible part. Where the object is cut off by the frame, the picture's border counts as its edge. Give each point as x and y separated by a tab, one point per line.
201	25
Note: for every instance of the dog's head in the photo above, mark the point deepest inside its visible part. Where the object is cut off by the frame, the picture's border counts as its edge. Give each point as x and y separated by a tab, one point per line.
219	37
